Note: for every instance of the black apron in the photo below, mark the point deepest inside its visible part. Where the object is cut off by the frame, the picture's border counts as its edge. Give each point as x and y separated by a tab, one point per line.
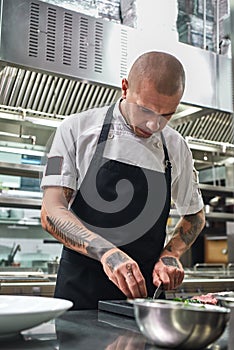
136	223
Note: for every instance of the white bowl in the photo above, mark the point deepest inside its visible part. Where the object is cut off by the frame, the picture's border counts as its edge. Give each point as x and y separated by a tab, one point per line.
18	313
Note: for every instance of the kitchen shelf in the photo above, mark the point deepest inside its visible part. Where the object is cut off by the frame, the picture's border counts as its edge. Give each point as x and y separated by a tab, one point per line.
25	170
211	190
216	216
19	223
20	202
213	216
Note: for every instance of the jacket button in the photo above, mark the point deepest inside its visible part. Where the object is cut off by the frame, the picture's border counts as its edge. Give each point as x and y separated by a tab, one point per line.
157	144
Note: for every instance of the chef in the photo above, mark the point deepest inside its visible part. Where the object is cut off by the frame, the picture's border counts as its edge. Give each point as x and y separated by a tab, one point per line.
108	184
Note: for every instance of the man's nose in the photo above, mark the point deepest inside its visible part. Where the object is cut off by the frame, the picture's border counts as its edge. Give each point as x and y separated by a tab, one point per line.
153	124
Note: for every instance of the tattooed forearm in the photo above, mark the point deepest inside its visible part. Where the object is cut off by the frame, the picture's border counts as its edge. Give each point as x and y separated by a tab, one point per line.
68	232
78	237
60	222
97	247
187	236
186	232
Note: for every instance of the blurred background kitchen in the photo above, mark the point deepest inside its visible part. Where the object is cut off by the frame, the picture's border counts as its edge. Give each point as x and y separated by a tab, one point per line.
59	57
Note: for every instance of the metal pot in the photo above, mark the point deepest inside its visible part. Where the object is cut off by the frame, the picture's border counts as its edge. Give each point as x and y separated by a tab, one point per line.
53	266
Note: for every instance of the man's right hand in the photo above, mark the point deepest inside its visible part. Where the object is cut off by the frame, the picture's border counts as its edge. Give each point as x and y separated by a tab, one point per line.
124	272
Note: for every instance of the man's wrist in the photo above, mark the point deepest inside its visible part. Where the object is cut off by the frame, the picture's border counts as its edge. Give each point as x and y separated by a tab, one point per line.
107	254
170	261
113	258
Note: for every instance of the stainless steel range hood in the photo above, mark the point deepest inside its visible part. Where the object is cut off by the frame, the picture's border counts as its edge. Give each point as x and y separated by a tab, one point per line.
56	62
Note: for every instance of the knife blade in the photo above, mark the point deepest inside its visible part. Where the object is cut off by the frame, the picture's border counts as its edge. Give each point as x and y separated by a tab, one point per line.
158	291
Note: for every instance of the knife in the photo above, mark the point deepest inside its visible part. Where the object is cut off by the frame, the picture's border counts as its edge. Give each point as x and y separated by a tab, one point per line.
158	291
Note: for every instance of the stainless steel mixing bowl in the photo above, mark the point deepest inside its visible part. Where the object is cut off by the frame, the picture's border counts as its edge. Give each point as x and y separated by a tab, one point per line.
173	324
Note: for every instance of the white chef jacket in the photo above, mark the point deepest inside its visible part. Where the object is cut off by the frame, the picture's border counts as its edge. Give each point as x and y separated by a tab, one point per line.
75	142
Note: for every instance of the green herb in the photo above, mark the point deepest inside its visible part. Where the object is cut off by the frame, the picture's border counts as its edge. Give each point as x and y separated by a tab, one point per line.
188	301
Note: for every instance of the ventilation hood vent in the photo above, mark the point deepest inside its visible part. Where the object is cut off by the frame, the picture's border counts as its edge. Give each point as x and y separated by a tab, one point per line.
44	37
205	124
48	95
55	62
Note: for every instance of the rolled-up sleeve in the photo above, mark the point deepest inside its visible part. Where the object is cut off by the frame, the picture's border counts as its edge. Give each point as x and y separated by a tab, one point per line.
60	168
185	188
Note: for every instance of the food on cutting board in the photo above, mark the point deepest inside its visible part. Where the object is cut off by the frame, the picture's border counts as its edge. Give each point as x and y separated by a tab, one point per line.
209	298
206	299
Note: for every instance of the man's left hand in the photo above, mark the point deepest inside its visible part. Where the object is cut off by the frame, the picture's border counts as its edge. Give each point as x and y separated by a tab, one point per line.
169	271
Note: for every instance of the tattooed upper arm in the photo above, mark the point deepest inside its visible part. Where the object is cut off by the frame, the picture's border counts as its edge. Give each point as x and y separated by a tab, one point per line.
68	192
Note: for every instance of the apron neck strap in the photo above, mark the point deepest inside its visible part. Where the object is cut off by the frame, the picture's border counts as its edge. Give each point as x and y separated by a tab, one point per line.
104	135
168	167
106	125
167	162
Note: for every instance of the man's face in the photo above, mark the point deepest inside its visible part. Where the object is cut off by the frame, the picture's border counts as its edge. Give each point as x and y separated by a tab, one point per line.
147	111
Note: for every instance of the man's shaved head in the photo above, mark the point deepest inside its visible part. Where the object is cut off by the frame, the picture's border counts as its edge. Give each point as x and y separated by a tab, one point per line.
162	70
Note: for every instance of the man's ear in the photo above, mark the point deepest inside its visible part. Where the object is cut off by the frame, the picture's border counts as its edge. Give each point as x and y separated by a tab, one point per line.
124	87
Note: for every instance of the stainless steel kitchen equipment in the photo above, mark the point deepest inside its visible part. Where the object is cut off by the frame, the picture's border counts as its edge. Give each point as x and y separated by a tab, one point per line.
230	243
119	307
226	299
10	258
200	279
53	266
13	282
173	324
66	52
204	278
56	62
231	326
